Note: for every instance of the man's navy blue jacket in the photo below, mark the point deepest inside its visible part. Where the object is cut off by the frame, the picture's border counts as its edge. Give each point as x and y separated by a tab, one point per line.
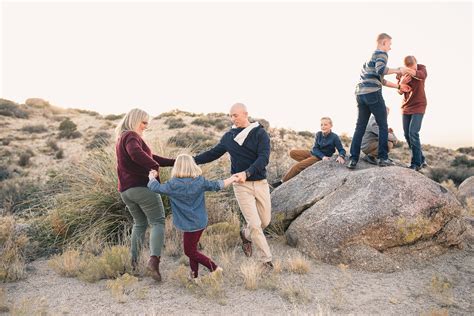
252	156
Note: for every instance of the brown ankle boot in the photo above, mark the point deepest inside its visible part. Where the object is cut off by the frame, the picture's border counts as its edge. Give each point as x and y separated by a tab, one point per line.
154	268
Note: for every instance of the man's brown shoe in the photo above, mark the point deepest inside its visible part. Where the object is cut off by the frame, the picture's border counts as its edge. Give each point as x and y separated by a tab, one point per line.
246	244
154	268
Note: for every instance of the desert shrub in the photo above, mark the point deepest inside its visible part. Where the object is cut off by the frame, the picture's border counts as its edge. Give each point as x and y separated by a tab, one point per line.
306	134
12	246
4	173
39	128
457	175
217	120
99	140
68	129
173	122
10	108
114	117
88	112
265	124
175	113
52	144
195	139
6	141
59	154
24	159
18	195
466	150
462	160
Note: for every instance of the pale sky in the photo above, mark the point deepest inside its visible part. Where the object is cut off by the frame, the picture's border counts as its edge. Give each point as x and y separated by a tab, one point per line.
290	63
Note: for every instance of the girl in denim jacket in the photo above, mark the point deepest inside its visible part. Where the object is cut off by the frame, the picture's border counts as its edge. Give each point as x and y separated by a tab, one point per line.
186	191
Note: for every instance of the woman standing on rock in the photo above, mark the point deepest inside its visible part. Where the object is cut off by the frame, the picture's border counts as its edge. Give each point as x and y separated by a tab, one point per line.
134	162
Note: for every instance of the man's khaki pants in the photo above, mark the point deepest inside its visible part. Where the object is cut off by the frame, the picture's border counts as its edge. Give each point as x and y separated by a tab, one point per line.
254	202
304	158
373	149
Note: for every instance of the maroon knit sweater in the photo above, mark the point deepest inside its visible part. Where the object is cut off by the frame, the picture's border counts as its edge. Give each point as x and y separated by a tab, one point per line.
414	102
135	160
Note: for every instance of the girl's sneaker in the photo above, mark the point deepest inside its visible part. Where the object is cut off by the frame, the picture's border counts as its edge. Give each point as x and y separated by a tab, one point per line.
217	272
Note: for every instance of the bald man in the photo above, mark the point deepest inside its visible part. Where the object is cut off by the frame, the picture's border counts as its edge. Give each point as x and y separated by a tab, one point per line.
248	145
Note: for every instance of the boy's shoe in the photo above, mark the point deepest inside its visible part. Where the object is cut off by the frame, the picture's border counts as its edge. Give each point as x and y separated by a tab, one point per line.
246	244
413	167
352	164
267	266
276	184
370	159
424	165
385	162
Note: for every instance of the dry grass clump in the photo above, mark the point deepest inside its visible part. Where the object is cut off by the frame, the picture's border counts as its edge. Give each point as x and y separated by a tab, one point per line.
449	184
251	272
297	263
210	286
125	287
470	206
12	247
113	262
295	293
69	264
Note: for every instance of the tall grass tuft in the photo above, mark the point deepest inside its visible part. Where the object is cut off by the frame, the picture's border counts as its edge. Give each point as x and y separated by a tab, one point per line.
12	245
85	203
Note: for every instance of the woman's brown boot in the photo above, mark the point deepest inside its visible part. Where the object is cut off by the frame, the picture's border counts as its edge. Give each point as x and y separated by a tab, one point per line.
154	268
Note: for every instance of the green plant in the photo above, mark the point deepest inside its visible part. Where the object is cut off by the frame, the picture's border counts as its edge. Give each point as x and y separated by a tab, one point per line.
306	134
18	195
68	129
462	160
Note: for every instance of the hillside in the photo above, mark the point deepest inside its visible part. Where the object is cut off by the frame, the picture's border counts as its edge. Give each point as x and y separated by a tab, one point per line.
64	231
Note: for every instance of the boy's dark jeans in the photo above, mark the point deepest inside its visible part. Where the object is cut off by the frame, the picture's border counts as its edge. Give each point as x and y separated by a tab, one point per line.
411	129
370	103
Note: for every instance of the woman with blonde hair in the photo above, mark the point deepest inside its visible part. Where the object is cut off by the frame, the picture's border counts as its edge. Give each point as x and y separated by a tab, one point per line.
134	161
186	191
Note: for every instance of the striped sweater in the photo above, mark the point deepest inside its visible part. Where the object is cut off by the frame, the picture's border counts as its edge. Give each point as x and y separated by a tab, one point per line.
371	76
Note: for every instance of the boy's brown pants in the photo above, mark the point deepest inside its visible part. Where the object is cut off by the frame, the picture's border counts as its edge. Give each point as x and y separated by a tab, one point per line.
304	158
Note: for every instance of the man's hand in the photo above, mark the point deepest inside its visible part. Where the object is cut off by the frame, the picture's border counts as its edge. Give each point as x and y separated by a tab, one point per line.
340	159
153	174
241	177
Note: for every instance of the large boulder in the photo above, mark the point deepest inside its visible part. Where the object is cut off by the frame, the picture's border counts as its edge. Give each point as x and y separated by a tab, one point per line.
466	190
377	219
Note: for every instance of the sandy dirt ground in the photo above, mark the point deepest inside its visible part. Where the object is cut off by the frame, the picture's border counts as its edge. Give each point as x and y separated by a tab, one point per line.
442	286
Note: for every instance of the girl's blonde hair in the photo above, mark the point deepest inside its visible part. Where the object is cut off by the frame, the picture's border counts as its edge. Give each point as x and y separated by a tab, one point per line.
185	167
131	121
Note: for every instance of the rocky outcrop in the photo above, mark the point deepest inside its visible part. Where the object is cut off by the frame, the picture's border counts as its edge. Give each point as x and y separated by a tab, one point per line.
371	218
